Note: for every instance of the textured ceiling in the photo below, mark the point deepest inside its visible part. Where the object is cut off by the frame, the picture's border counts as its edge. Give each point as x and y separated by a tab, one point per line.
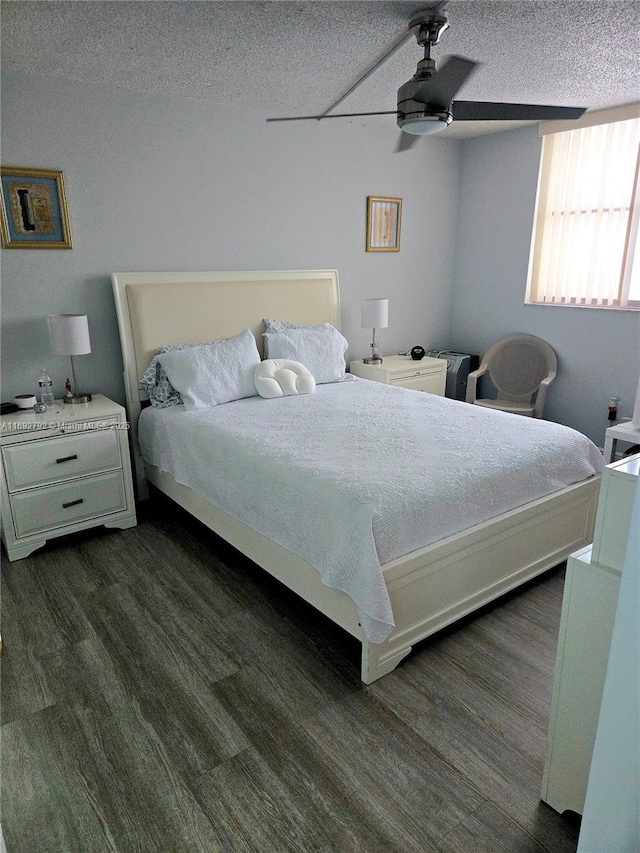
283	58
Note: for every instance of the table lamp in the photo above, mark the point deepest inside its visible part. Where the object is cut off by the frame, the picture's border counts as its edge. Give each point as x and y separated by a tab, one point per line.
69	335
375	315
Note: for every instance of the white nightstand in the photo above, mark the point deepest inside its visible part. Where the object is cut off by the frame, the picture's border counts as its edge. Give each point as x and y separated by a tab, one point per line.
62	471
620	432
428	374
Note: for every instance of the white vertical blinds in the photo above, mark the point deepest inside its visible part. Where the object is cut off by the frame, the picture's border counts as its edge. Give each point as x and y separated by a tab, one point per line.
586	229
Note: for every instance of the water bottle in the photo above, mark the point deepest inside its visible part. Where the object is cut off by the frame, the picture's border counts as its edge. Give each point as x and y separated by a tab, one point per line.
46	388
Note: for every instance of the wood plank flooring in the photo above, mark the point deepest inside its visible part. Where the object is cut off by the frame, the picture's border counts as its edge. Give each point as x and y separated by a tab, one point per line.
161	693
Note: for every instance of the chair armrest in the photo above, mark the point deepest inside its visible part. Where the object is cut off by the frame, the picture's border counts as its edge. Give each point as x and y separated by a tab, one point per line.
472	380
541	396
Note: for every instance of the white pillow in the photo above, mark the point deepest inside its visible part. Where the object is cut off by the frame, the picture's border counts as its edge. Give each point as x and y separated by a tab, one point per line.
155	382
282	378
320	348
283	325
213	373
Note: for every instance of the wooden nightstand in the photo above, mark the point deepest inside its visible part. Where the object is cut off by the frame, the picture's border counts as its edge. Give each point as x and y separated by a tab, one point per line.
428	374
62	471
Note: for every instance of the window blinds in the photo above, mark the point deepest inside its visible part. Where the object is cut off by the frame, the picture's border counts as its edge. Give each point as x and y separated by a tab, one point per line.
585	226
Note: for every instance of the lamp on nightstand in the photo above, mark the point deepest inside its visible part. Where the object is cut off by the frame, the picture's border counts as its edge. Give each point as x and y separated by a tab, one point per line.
375	315
69	335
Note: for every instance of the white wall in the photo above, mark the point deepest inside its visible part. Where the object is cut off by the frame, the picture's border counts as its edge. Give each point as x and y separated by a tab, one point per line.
158	184
598	350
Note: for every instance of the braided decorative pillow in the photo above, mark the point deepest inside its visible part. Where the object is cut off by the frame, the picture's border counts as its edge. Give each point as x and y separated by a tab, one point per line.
282	377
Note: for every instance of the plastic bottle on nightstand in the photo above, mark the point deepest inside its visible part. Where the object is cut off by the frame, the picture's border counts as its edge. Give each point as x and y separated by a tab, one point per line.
46	388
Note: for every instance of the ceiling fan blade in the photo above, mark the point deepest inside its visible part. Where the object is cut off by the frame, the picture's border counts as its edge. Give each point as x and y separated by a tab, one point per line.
335	115
447	80
490	111
394	47
406	141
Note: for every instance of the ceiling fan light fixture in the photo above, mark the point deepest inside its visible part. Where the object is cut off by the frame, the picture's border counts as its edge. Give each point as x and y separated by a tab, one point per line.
425	125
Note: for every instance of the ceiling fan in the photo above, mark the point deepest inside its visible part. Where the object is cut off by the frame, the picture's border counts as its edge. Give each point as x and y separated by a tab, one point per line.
425	103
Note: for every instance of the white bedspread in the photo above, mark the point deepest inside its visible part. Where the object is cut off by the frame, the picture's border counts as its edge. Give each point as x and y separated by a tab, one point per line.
361	473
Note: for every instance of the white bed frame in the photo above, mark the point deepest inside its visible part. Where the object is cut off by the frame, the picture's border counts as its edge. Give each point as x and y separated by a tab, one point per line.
430	588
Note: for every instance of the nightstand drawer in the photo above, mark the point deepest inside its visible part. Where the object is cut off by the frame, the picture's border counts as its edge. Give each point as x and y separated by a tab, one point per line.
414	373
430	382
63	458
55	506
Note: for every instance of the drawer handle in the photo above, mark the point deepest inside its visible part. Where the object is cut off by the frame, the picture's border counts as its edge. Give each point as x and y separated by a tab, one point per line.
66	458
73	503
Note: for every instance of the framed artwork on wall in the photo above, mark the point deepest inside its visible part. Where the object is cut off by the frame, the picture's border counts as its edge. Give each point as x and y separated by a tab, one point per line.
384	217
33	209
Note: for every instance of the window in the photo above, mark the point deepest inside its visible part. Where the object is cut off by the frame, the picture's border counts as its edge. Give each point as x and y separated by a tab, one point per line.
585	243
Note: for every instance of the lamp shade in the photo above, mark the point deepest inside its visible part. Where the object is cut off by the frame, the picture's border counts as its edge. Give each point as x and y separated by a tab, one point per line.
69	334
375	313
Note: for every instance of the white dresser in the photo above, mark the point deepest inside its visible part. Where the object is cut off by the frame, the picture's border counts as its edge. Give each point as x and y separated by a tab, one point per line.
428	374
62	471
586	626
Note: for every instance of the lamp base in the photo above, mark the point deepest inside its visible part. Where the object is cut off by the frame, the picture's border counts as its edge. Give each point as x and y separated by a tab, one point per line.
78	398
376	359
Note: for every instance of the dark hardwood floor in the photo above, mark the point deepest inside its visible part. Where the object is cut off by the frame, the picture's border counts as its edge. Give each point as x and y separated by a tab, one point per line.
160	693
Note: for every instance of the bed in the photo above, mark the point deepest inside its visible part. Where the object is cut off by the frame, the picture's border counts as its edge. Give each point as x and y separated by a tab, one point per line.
419	585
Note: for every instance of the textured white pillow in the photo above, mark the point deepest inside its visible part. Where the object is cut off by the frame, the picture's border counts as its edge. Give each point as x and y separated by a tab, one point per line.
283	325
155	381
213	373
282	378
320	348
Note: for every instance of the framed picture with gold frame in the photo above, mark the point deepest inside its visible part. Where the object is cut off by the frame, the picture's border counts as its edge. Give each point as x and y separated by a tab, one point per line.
384	216
33	209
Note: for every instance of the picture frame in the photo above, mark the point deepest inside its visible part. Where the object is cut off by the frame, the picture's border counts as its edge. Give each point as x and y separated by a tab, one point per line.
33	209
384	220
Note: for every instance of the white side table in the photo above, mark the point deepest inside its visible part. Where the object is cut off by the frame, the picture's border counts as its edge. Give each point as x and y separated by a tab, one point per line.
65	470
586	626
427	374
614	434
